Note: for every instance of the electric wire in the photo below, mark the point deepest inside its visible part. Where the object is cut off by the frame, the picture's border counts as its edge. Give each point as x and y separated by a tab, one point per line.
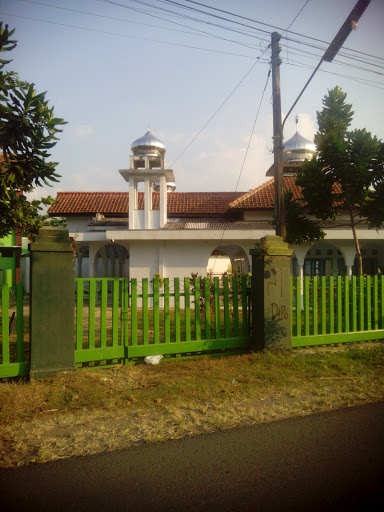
246	152
68	25
218	109
195	31
357	79
342	53
272	26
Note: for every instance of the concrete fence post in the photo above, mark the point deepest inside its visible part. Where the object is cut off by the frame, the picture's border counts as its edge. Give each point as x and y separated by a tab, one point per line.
271	301
52	303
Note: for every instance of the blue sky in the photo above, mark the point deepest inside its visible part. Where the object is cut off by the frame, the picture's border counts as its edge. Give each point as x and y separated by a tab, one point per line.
110	71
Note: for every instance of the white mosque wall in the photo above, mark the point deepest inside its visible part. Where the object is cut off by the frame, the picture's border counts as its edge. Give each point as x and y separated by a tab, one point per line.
78	224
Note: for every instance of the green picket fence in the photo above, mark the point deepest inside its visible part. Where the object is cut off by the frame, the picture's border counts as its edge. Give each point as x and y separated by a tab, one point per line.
13	345
336	310
117	319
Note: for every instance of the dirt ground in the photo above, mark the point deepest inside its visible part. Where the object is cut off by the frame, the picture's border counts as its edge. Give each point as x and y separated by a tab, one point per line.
165	402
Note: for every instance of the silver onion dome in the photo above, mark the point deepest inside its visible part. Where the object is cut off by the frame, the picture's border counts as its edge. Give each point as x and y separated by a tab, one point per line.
298	148
148	145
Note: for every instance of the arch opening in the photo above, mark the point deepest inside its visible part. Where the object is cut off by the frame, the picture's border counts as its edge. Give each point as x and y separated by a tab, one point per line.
231	259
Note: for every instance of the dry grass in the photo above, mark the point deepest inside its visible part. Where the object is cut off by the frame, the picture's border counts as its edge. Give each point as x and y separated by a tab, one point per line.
90	411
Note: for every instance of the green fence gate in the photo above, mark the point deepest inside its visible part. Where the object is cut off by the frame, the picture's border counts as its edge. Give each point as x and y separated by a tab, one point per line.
117	319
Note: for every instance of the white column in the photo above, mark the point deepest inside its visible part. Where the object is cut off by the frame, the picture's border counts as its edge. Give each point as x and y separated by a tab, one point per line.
132	201
163	202
91	260
301	275
147	203
162	267
349	271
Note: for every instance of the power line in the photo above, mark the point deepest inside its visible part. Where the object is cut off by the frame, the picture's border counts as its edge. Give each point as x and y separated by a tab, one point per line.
302	51
274	27
246	151
204	33
321	48
218	109
68	25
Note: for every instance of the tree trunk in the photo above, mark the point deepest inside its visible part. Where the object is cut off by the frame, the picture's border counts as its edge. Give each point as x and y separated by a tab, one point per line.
357	245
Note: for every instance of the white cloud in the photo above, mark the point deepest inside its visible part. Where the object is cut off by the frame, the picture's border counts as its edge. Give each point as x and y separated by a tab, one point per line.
40	192
84	130
218	168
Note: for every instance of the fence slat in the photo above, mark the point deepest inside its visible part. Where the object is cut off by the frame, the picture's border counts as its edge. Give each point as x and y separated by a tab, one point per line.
235	300
315	306
115	312
91	313
298	306
216	298
176	285
306	305
244	305
346	304
124	316
368	293
361	303
323	306
382	300
20	322
226	307
144	284
354	305
134	322
375	303
167	318
187	303
79	313
207	309
5	314
339	303
103	313
196	283
331	308
156	311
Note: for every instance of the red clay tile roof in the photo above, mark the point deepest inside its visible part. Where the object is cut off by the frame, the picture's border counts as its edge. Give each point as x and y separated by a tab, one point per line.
263	197
180	204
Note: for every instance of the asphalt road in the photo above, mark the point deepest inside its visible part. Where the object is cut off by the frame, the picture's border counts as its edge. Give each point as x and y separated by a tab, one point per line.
323	462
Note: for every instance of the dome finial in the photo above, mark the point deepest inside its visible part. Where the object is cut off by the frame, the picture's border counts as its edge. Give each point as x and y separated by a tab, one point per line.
297	122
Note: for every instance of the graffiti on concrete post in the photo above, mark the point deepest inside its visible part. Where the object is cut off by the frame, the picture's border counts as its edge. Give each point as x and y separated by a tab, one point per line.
277	282
279	312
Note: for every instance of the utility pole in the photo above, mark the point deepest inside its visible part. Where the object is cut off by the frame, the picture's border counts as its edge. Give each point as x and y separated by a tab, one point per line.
340	38
277	137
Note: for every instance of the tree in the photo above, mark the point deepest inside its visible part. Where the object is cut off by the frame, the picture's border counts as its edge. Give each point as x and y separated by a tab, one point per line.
347	175
28	131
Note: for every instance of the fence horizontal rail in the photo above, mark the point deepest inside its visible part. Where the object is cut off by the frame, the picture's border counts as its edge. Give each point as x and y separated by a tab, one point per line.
335	310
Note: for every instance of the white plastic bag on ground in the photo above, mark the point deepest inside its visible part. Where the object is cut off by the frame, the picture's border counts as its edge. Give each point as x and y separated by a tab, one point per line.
153	359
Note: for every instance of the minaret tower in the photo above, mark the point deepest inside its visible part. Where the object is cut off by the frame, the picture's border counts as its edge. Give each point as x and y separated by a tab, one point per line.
147	165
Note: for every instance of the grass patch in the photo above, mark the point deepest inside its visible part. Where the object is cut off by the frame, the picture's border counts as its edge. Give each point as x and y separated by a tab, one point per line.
90	411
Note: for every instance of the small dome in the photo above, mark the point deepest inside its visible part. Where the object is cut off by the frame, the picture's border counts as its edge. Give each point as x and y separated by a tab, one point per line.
171	186
298	148
148	145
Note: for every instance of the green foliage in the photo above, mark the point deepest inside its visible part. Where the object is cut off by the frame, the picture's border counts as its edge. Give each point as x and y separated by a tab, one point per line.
346	175
300	228
28	130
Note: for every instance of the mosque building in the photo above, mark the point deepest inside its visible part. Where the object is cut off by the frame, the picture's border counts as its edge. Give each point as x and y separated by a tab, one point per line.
152	229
